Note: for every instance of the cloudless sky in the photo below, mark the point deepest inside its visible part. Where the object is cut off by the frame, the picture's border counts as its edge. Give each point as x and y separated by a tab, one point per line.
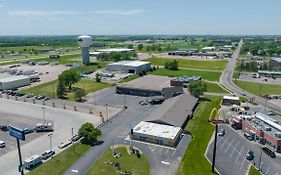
56	17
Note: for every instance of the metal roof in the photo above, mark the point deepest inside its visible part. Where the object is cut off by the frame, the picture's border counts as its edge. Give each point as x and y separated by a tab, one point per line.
230	98
174	111
13	78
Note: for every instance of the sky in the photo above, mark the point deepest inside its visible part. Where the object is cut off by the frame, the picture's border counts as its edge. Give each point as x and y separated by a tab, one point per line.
129	17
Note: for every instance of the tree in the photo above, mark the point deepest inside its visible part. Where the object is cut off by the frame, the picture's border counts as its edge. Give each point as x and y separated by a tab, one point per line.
130	46
197	88
98	79
61	90
171	65
140	46
79	93
89	133
69	77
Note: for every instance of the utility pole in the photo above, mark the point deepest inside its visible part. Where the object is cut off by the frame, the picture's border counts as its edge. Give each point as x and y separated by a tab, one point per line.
20	159
50	135
215	149
72	132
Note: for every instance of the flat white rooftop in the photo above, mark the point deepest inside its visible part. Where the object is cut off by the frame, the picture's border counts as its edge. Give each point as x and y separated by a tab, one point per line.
157	130
116	50
13	78
230	98
130	63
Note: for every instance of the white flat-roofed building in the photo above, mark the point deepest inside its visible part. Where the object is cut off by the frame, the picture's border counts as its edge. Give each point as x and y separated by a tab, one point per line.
157	133
13	82
129	66
230	100
110	50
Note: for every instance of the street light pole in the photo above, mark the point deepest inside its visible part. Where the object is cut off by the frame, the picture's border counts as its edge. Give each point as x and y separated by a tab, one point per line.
43	108
50	135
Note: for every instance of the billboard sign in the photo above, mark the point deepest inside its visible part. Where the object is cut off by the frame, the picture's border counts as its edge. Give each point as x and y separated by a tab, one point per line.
17	133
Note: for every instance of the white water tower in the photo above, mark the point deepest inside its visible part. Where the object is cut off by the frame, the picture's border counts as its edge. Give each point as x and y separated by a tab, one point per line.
85	42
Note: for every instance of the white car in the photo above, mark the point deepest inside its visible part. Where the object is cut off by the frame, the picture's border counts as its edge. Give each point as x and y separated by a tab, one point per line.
47	154
222	132
2	144
64	144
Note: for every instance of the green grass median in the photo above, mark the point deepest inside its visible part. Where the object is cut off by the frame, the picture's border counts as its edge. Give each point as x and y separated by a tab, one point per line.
194	161
217	65
254	171
128	162
206	75
62	161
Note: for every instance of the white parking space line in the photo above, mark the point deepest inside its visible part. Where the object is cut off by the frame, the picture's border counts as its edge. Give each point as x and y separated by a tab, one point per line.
231	154
173	153
267	170
219	139
242	163
160	150
276	173
225	140
228	146
239	154
261	163
166	152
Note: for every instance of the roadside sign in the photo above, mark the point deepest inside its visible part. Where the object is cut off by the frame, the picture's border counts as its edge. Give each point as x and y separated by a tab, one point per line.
17	133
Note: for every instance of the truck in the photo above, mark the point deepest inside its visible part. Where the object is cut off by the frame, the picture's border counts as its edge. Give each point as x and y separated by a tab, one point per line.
32	162
44	127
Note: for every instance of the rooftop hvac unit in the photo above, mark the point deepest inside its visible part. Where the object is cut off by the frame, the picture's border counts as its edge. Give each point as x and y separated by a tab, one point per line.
268	128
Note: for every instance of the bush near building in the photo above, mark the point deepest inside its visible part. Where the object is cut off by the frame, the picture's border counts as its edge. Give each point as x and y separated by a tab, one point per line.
171	65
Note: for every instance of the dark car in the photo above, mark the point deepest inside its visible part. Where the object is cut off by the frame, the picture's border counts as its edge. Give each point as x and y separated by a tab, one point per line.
250	155
39	97
45	98
269	152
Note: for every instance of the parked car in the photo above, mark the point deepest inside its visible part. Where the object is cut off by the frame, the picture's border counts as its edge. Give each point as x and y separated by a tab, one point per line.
4	128
29	95
221	132
28	130
64	144
39	97
75	138
2	144
250	155
45	98
248	136
47	154
269	152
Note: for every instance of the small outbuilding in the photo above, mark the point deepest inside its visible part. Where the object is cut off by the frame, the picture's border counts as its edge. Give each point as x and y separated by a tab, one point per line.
230	100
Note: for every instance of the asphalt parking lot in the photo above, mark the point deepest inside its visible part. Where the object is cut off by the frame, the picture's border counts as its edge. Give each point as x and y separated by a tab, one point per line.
20	122
248	77
231	154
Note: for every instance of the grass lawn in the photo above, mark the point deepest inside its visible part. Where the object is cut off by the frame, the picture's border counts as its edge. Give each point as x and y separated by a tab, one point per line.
254	171
61	162
195	64
259	89
194	161
215	88
206	75
138	166
49	89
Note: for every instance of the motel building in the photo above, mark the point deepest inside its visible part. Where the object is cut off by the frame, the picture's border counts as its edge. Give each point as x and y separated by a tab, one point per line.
263	129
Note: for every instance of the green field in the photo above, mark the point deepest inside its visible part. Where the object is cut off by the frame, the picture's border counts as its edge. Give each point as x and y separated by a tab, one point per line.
254	171
61	162
49	89
259	89
215	88
138	166
130	78
194	161
194	64
206	75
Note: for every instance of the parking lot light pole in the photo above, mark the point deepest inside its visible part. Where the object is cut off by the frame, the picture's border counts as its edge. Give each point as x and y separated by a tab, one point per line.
43	108
50	135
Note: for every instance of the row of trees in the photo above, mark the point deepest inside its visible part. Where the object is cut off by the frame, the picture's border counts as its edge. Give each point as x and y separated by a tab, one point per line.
262	48
116	56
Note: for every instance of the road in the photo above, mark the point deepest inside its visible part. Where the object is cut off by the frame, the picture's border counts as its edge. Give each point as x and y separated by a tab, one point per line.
226	80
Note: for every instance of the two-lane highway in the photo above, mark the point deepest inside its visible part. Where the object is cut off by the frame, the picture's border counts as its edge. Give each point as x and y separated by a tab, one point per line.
226	80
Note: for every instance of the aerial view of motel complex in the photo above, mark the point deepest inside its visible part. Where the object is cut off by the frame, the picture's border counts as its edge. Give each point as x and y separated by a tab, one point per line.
137	104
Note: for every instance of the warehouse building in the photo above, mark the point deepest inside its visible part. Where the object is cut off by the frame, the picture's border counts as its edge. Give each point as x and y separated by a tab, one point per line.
275	62
183	81
13	82
129	66
111	50
262	128
150	85
274	74
164	125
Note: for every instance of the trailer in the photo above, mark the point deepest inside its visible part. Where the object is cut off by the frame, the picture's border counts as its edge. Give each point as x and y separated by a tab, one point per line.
44	127
32	161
